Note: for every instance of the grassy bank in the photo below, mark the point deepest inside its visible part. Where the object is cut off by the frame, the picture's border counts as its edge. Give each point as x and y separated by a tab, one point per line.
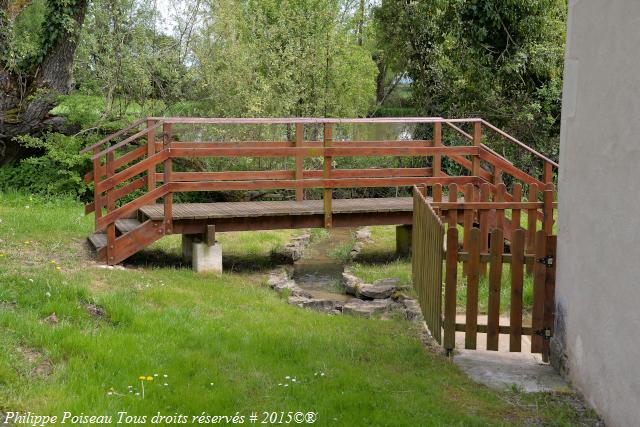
217	343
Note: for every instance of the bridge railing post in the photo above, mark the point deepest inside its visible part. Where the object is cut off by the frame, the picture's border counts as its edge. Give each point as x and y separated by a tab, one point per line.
111	205
477	142
151	150
328	192
299	161
97	199
168	165
437	142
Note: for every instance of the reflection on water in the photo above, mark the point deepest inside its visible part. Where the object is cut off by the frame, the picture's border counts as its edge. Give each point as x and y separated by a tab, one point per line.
319	273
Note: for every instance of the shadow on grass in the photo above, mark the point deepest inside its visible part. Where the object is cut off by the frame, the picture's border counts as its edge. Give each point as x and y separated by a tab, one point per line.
249	263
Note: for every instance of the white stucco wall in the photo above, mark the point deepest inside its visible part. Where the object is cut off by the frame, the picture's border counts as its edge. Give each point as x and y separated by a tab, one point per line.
598	276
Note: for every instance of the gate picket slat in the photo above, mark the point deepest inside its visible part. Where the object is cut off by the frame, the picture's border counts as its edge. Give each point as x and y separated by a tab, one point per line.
485	192
452	214
516	213
550	291
517	277
451	282
539	277
467	222
532	217
473	280
501	190
495	279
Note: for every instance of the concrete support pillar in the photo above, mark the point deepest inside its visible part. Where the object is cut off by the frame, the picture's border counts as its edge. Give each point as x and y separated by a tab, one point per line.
187	243
206	258
403	240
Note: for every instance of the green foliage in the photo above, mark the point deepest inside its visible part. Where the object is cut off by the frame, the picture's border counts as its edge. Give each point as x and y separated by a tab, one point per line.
58	171
501	60
282	58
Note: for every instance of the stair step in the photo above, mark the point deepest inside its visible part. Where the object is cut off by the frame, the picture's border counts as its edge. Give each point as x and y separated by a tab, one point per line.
98	240
126	225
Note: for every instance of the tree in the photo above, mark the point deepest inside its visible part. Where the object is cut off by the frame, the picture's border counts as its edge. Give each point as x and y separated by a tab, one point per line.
498	59
282	58
31	80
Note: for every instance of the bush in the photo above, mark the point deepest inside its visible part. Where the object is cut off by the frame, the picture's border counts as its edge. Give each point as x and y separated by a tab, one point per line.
58	171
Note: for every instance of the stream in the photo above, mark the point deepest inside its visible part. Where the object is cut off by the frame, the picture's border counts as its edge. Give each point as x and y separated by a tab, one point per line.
319	273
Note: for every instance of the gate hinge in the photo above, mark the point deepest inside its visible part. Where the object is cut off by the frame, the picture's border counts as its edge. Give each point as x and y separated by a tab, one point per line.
547	261
545	333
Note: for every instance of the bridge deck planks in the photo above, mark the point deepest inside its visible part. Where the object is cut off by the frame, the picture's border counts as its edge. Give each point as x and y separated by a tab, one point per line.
189	211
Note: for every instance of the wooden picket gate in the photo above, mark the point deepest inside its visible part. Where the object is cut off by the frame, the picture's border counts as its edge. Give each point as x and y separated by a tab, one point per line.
489	240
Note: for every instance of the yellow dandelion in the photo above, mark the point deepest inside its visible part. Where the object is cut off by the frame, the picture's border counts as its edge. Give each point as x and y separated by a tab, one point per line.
53	261
149	378
58	268
142	377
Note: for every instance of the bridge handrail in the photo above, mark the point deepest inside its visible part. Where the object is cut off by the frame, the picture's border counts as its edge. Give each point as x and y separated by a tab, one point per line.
112	136
112	184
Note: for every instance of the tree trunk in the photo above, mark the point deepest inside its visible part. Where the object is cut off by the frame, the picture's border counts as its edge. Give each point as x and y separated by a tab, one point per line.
27	96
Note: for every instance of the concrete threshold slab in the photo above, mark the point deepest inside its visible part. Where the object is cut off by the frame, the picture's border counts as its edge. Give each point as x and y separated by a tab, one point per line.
502	369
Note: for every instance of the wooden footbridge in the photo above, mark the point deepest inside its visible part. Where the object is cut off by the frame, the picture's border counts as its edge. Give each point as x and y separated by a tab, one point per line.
158	157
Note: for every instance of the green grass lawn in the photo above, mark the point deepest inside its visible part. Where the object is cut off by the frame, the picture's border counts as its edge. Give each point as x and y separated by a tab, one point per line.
217	343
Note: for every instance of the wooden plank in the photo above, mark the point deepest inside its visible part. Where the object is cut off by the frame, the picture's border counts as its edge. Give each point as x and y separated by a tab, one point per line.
96	147
451	283
168	166
549	294
308	144
473	281
308	120
500	194
467	219
437	141
452	216
132	242
124	142
354	151
132	171
118	163
111	205
210	235
516	211
539	278
495	283
328	192
548	173
151	150
548	209
97	194
517	280
503	329
289	174
485	193
437	196
498	205
486	257
532	219
299	160
507	167
477	142
311	183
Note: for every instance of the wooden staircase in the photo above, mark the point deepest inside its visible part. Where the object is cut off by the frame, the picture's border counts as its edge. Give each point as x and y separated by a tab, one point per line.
131	237
140	161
